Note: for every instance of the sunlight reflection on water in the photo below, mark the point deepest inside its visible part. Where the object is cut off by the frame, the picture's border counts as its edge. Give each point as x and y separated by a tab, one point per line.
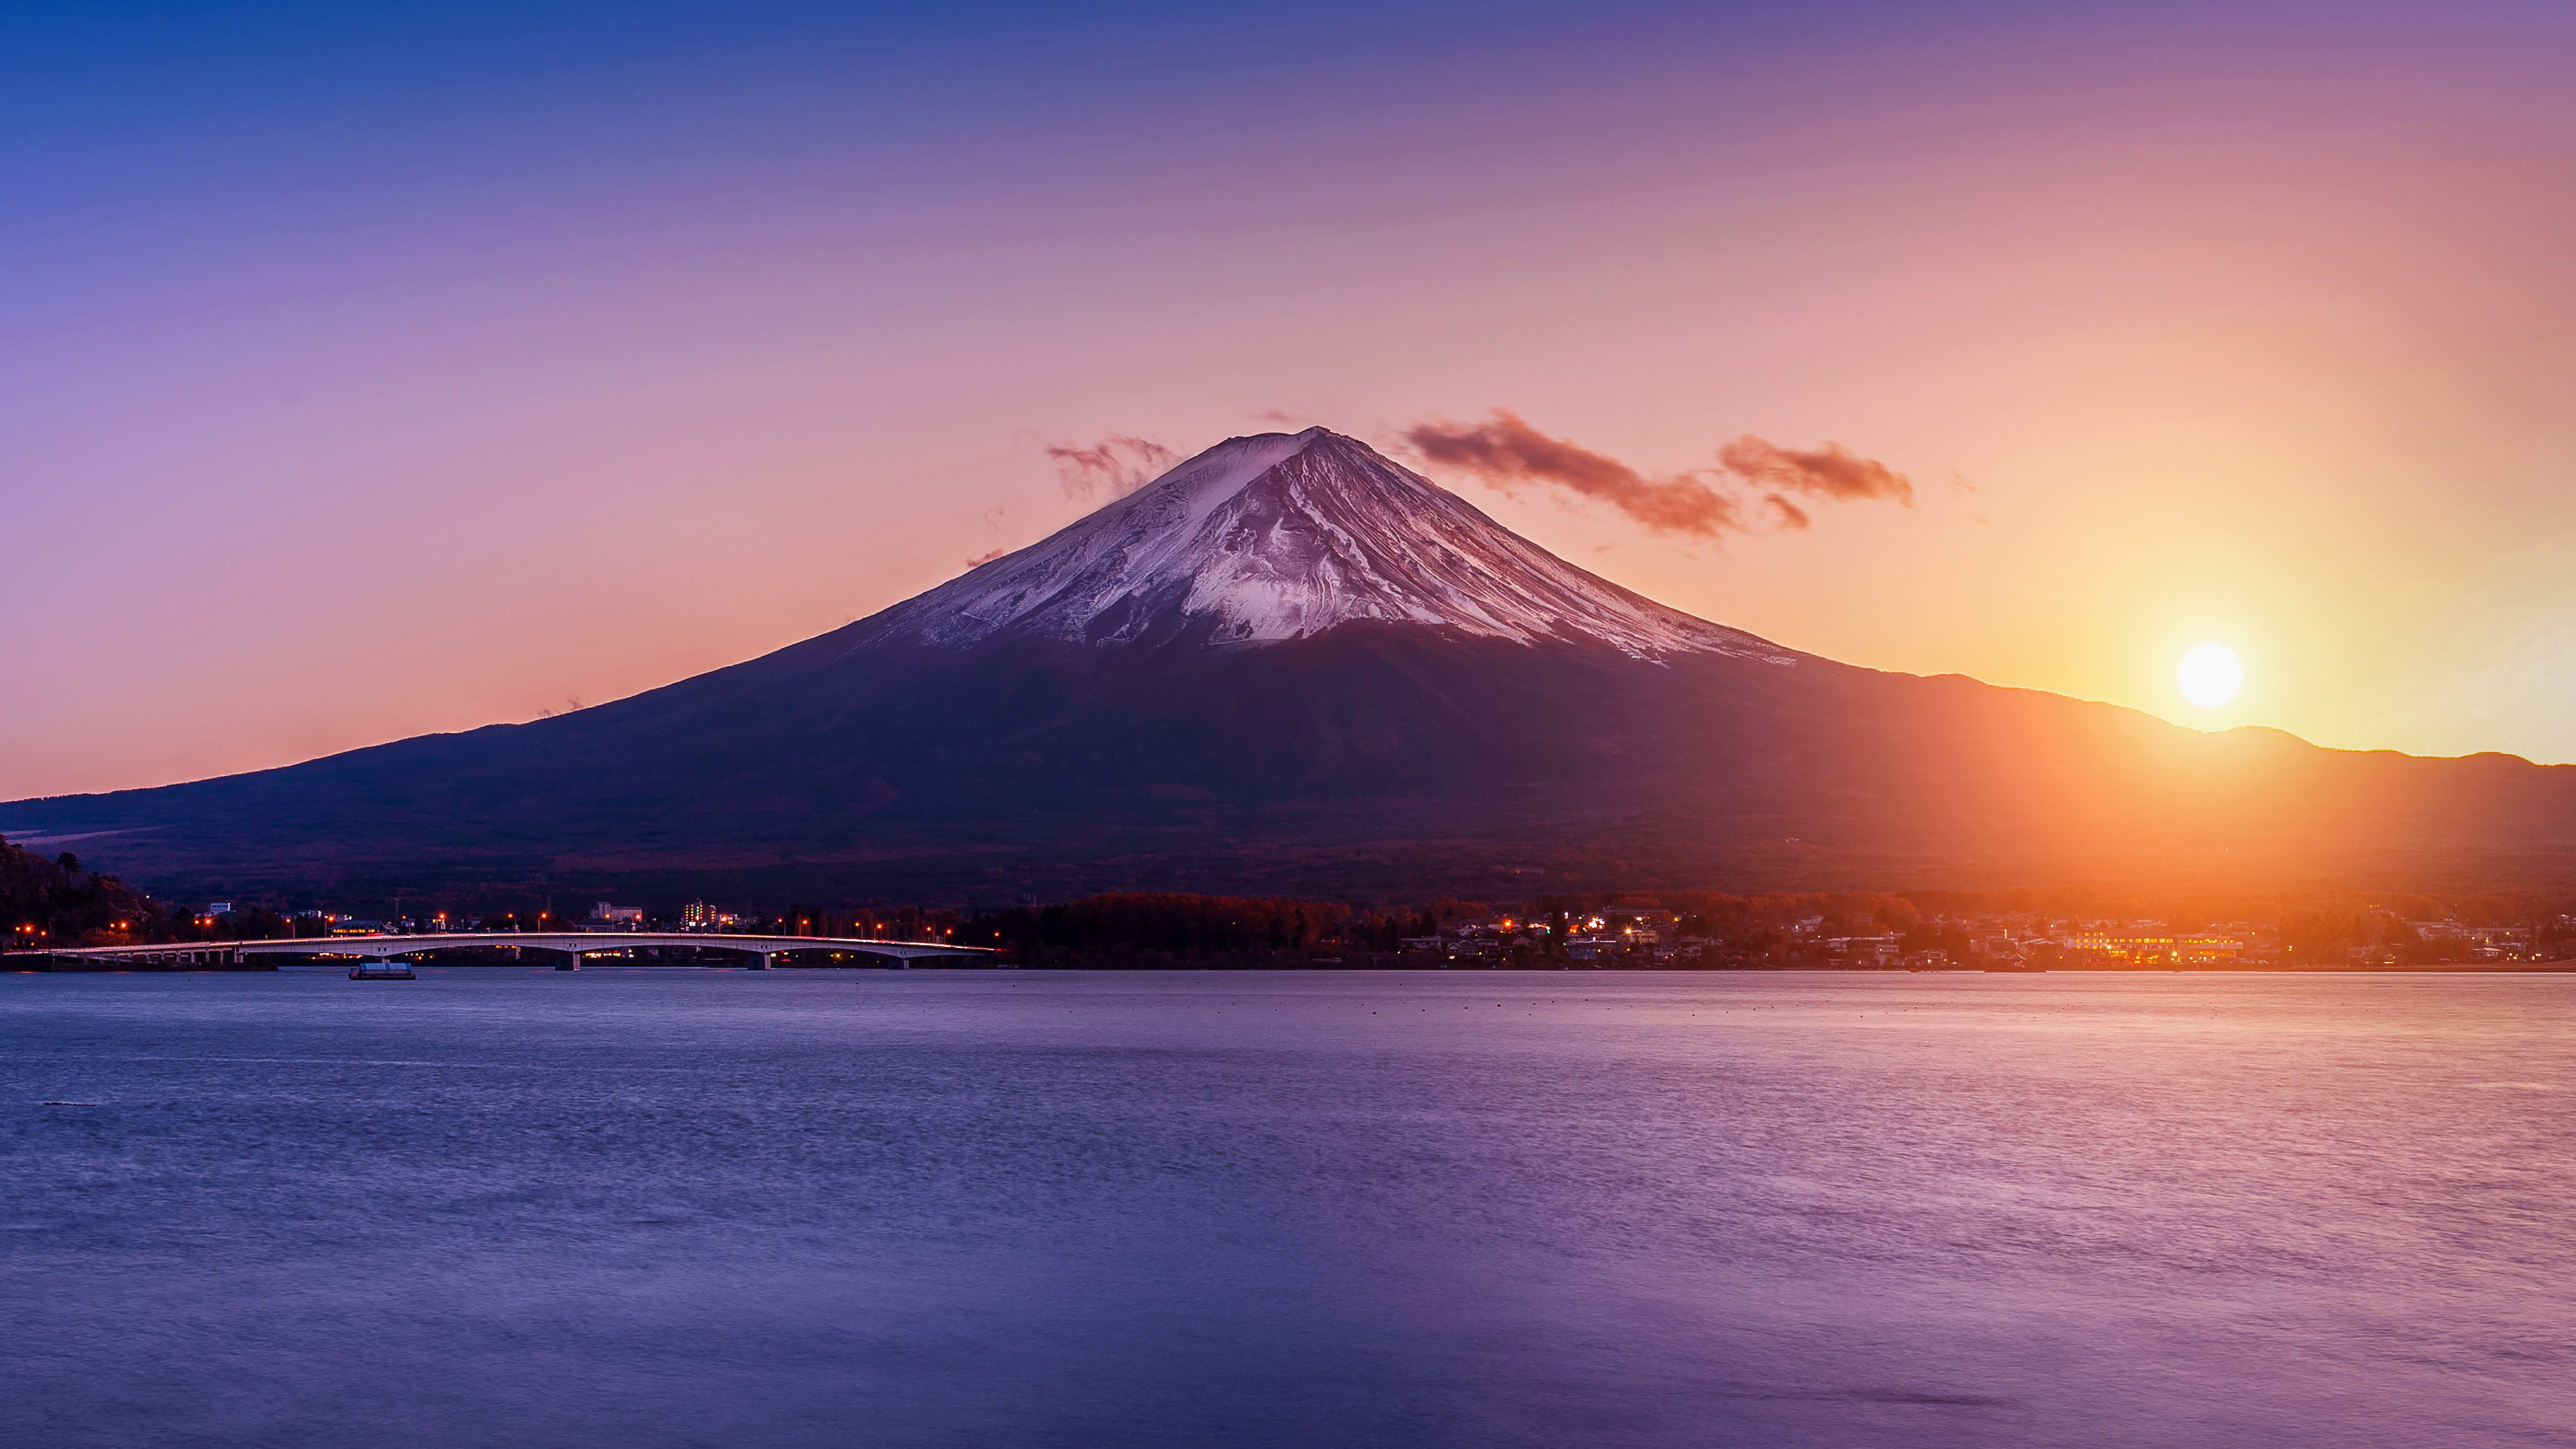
676	1207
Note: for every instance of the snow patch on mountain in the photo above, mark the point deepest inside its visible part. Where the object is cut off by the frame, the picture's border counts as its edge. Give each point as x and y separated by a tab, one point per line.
1284	536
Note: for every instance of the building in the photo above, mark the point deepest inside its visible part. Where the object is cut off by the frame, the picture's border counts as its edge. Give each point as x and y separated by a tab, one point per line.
1863	950
699	916
2154	946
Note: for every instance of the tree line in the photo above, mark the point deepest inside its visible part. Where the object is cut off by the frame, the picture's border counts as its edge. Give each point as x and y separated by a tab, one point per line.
1148	927
54	900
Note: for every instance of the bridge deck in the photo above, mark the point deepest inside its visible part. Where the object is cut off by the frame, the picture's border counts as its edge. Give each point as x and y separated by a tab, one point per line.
566	942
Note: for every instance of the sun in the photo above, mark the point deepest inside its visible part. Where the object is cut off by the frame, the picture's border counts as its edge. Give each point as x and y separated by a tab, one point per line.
2210	675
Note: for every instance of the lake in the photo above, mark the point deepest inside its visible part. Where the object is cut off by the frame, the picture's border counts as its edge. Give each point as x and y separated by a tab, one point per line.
716	1208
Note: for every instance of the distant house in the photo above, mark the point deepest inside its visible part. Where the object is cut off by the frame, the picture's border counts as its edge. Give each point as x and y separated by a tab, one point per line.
2150	944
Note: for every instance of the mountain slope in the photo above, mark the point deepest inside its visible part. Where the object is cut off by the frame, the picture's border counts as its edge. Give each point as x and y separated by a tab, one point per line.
1285	536
1289	664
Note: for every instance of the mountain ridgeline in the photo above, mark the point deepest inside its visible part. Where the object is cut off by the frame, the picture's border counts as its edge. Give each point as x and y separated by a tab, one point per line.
1291	666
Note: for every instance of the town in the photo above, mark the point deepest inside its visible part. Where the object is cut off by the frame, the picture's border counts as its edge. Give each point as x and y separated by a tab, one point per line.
55	903
1652	937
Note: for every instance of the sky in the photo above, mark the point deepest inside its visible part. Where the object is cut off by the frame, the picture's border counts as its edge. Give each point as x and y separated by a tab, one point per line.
374	370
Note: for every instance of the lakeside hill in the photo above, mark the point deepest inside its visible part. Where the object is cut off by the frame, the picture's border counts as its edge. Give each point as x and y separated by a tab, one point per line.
1291	666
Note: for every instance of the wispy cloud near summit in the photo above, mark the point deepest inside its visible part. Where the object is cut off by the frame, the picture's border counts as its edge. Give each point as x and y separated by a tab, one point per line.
1830	471
1118	463
1505	453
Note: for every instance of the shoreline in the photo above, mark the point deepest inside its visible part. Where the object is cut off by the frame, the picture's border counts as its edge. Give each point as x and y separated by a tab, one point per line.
32	964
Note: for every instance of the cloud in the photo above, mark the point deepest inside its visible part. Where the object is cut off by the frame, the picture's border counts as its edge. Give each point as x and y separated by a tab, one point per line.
1791	515
1830	471
1119	463
1506	453
981	559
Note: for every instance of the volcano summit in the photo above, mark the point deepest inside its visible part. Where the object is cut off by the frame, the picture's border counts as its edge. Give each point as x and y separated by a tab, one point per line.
1289	664
1289	536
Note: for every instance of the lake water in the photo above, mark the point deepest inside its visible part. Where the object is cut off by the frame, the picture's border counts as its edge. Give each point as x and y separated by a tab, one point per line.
714	1208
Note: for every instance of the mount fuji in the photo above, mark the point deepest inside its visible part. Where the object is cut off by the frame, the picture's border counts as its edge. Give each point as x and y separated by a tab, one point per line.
1289	664
1289	536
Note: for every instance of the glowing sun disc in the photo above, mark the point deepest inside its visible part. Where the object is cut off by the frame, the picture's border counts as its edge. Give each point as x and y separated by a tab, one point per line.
2210	675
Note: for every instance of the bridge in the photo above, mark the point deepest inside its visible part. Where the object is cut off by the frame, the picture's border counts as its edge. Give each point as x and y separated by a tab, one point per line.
758	953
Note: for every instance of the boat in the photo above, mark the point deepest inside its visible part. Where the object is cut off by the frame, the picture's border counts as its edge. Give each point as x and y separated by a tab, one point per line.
382	971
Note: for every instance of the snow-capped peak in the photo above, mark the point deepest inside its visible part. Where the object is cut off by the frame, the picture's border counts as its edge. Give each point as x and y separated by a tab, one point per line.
1286	535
